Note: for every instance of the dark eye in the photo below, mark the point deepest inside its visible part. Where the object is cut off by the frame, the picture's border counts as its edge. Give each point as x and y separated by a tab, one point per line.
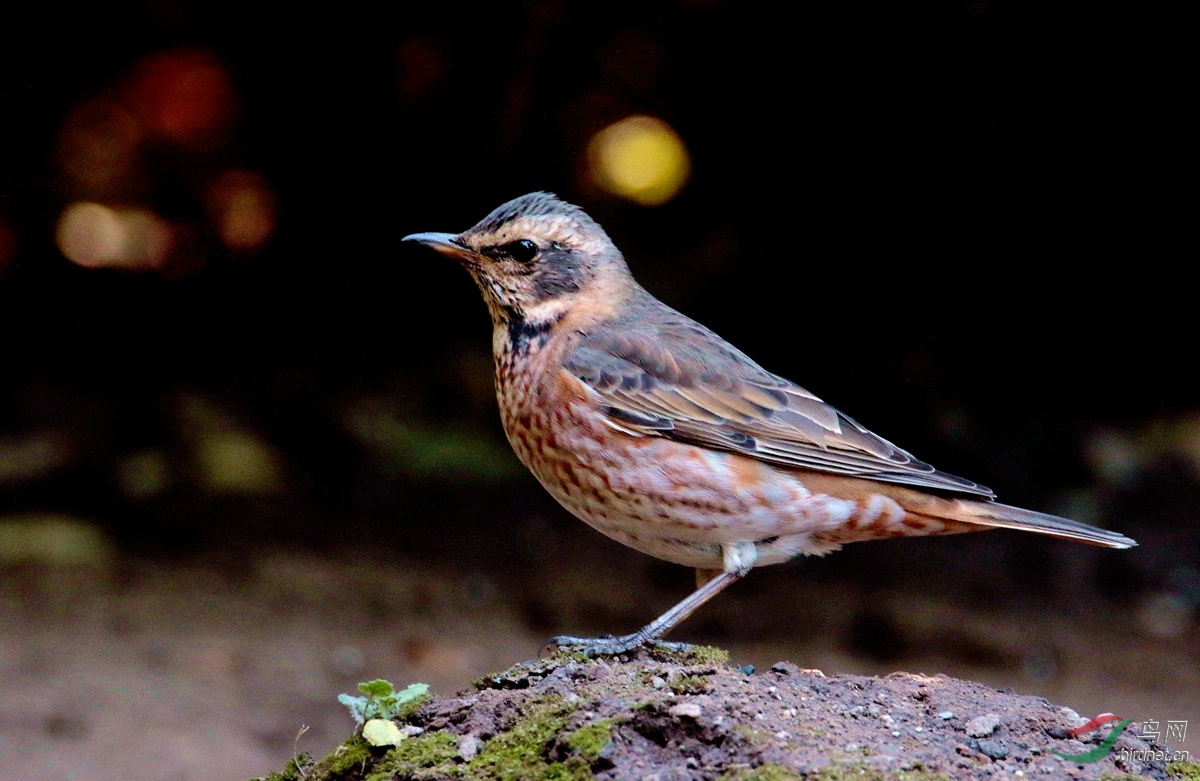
522	250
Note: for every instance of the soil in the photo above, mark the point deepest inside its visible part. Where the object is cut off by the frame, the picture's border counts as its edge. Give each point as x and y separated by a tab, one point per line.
665	716
208	667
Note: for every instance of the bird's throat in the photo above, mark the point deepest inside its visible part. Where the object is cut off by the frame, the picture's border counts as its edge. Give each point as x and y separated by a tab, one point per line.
526	334
519	334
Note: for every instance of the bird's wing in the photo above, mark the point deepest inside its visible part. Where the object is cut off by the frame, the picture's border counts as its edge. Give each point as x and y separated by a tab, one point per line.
673	377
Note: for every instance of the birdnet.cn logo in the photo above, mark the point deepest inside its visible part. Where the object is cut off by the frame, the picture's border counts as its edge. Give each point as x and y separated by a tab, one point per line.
1176	732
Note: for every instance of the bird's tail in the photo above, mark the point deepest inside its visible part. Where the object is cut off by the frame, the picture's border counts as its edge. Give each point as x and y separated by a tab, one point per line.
1002	516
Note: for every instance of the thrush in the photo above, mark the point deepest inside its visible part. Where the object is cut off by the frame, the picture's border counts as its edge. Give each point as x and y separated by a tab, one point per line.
663	436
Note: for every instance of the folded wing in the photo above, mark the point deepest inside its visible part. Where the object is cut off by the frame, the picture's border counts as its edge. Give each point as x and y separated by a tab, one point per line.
677	379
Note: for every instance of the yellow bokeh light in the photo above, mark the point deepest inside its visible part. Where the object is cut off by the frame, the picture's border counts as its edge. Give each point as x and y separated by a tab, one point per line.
237	462
639	158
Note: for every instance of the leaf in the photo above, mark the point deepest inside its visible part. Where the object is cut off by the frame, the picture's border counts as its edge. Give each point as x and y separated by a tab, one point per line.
382	701
357	706
382	732
411	692
376	688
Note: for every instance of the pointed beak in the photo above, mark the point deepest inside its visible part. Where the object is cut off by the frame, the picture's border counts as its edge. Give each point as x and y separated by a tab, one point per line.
445	243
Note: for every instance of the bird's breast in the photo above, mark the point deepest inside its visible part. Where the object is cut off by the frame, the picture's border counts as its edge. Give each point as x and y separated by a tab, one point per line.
667	498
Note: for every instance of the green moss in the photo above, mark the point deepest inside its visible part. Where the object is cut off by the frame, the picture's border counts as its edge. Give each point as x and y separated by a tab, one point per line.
692	655
587	742
752	735
293	770
354	754
422	752
1186	770
689	684
405	711
520	754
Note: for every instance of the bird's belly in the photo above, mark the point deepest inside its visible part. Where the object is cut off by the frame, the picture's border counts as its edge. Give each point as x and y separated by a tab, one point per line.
670	499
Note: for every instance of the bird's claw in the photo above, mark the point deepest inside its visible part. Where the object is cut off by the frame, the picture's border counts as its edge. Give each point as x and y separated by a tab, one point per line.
593	647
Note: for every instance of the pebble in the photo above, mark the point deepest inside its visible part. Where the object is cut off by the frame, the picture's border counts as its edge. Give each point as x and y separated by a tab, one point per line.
946	715
993	748
982	726
685	709
468	747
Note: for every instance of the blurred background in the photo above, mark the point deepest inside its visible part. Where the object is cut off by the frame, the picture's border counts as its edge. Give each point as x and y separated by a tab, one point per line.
249	451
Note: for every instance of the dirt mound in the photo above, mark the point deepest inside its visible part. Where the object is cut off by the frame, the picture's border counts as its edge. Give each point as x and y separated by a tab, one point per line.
663	716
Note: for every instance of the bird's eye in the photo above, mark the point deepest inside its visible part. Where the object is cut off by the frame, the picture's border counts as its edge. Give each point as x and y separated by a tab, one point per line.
522	250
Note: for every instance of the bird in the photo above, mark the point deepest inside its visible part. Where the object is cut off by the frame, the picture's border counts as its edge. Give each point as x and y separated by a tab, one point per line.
660	434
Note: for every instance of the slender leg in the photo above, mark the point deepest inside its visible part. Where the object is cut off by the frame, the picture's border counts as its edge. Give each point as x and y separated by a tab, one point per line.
739	559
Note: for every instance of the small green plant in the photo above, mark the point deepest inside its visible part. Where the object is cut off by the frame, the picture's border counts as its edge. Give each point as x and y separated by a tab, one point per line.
380	700
689	684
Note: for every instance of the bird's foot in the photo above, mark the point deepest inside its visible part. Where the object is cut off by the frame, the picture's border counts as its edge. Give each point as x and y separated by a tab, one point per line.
593	647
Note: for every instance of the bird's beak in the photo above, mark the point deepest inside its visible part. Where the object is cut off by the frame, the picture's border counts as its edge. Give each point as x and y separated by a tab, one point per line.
445	243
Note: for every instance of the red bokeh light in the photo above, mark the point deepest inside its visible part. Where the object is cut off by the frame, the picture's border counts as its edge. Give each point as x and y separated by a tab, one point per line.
8	246
184	96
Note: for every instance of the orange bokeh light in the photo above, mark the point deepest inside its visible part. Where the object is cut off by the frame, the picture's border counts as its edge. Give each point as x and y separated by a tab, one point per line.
242	207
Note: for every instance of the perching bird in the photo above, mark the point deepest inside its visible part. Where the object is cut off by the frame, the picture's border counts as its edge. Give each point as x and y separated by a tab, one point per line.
663	436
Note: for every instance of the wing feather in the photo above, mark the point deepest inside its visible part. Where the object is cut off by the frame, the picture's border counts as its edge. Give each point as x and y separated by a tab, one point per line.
669	376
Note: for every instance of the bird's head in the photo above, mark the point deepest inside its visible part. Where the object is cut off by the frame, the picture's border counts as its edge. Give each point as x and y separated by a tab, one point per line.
536	259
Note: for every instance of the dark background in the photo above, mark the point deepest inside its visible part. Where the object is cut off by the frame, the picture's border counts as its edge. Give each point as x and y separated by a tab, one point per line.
967	224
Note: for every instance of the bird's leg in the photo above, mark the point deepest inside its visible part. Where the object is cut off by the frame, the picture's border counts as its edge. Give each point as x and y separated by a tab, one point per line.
610	646
738	559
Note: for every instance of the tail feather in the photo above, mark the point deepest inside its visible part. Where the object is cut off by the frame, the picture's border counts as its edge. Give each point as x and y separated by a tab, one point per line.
1003	516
